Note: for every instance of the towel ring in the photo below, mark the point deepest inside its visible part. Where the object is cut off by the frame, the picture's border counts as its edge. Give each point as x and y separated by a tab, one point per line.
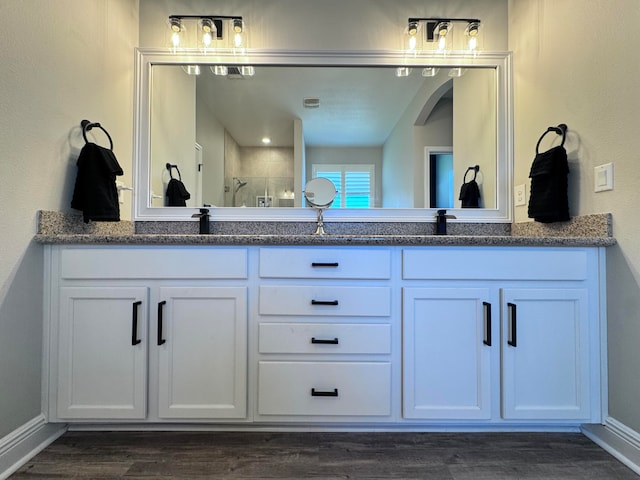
87	126
475	169
169	167
560	130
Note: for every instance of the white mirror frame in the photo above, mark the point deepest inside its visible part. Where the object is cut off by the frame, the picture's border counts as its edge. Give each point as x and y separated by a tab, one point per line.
501	61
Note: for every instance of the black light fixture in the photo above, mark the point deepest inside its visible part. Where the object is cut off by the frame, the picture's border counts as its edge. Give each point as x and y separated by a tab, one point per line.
437	31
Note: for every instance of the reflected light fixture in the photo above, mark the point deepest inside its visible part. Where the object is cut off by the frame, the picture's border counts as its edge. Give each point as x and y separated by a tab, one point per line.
430	71
220	70
403	71
191	69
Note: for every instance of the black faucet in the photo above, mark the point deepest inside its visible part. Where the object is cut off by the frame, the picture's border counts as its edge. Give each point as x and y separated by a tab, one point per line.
204	220
441	222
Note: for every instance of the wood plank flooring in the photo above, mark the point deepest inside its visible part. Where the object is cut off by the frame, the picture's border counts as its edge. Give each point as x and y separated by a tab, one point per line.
308	455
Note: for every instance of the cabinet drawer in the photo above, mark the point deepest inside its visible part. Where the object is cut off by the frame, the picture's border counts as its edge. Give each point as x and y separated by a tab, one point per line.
335	300
495	263
325	263
324	388
153	262
325	338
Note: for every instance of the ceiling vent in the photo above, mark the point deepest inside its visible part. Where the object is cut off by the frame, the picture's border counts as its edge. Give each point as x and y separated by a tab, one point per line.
311	102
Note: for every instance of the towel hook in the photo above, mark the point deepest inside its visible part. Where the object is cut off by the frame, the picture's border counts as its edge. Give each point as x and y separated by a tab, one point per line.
561	129
87	126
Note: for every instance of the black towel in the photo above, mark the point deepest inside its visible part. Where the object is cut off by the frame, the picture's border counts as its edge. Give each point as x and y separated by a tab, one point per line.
177	194
470	194
95	191
549	200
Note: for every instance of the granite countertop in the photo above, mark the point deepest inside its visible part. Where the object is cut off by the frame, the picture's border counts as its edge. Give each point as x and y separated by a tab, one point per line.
68	229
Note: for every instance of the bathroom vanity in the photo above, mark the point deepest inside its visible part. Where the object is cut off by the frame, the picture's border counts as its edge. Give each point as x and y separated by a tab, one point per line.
281	332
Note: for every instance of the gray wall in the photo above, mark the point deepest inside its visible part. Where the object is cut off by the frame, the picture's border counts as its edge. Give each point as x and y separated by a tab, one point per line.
576	63
62	61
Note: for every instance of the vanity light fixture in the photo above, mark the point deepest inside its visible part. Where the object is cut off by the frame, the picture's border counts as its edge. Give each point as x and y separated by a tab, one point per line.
439	34
210	30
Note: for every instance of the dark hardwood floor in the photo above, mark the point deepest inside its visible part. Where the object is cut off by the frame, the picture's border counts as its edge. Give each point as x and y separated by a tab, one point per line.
244	455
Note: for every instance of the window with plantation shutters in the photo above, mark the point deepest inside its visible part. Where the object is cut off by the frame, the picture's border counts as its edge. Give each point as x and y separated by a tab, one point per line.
354	184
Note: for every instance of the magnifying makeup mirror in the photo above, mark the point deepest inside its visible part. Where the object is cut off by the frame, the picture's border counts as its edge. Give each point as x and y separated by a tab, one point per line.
320	193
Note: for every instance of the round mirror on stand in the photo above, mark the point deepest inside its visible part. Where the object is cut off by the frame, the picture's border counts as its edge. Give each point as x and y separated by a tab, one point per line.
319	193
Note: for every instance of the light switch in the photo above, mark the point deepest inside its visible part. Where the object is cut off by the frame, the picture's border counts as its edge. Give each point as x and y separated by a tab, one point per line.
603	177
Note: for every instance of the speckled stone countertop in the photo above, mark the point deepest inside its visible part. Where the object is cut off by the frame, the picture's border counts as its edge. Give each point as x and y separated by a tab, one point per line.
68	229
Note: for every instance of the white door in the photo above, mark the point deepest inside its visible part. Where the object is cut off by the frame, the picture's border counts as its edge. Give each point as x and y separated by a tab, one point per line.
201	340
102	353
545	357
447	346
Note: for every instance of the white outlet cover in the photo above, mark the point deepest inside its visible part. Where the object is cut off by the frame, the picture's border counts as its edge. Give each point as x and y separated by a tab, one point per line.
603	177
519	195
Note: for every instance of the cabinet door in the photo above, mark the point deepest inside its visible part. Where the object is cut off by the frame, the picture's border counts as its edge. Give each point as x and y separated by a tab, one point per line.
102	353
545	354
447	353
202	352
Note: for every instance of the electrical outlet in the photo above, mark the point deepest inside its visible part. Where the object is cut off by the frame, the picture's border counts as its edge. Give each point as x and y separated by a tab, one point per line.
519	195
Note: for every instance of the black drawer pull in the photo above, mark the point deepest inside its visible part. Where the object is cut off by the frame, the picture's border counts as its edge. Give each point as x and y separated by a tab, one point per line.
324	302
324	342
161	340
487	324
513	336
134	324
320	393
325	264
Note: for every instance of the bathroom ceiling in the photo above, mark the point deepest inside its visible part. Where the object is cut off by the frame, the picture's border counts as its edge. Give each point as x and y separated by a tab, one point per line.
358	106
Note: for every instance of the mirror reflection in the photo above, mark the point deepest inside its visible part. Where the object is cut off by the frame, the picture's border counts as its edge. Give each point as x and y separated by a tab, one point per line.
253	138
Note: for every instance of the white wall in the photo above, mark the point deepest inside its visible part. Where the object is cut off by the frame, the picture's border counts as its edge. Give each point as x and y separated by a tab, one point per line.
62	61
576	62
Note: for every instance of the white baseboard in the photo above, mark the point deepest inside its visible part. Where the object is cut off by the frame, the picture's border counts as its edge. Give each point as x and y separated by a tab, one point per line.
19	446
619	440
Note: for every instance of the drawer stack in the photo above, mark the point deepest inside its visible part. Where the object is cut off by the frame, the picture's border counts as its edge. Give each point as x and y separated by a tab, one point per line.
324	333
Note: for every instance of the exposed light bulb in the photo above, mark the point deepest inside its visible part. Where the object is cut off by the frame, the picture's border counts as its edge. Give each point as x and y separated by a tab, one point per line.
412	43
237	40
403	71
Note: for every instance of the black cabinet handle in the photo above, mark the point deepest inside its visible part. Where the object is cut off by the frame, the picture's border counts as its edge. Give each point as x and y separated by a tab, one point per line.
134	324
320	393
513	337
487	324
325	264
161	341
324	302
324	342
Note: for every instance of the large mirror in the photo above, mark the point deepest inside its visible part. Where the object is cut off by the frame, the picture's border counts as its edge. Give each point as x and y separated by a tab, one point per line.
399	137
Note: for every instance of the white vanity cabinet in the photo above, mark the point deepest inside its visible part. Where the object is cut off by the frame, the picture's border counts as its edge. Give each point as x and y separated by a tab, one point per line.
324	334
447	346
148	333
538	359
102	352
